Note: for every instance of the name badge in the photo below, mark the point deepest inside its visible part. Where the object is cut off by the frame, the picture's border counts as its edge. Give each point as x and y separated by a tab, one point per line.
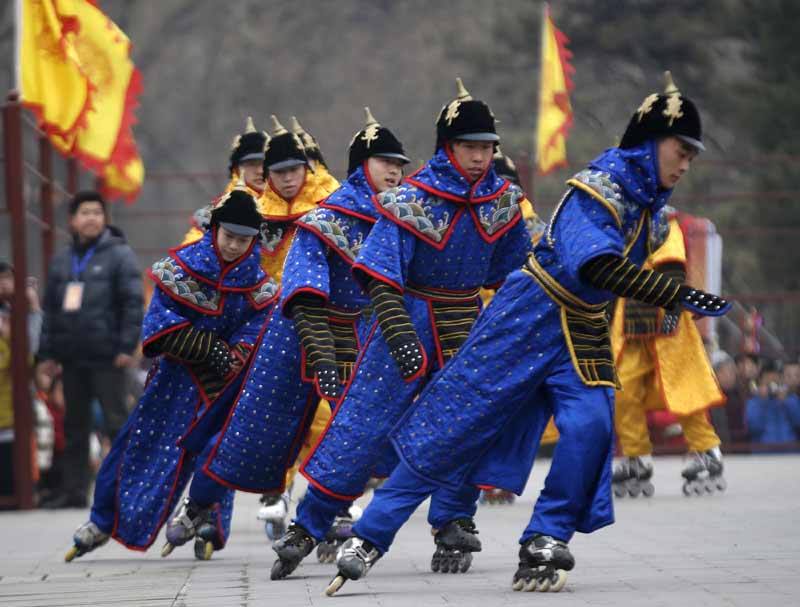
73	296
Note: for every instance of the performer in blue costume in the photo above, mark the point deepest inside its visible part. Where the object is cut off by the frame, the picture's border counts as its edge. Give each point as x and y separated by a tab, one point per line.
211	300
449	229
542	347
308	351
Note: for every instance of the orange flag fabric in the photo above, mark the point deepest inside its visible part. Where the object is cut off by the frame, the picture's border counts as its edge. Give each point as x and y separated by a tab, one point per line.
77	77
555	111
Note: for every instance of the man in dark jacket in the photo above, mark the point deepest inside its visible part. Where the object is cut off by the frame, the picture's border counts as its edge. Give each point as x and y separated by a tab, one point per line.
92	320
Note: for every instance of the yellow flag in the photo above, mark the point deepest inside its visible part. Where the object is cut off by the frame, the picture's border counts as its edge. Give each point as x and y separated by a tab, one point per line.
48	67
102	139
555	111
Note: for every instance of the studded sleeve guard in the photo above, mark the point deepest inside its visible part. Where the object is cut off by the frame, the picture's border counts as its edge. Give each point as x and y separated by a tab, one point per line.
397	329
311	322
626	279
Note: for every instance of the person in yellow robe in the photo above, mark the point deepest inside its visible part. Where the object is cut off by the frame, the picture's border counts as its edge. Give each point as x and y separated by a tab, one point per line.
246	160
662	364
295	185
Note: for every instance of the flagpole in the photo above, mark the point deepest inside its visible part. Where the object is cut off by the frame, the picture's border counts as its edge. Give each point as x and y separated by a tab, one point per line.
17	44
542	42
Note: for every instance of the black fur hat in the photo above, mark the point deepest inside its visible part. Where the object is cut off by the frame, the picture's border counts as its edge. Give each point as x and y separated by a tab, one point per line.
249	145
313	151
664	115
465	118
505	167
374	140
283	150
237	212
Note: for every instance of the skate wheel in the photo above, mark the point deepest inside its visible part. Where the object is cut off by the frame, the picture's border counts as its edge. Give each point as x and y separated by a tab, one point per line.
275	529
71	554
435	564
167	549
687	489
559	580
721	484
466	561
530	585
648	489
697	489
203	550
634	489
619	490
335	585
277	573
544	583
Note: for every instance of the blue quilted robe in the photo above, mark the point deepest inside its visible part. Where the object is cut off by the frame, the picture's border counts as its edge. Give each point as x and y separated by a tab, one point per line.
152	466
264	433
480	420
439	239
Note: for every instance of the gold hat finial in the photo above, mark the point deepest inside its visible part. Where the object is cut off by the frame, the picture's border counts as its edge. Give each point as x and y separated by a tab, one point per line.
463	93
277	127
369	119
670	88
249	127
297	128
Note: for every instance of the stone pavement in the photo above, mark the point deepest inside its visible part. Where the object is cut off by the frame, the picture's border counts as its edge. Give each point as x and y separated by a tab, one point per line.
739	548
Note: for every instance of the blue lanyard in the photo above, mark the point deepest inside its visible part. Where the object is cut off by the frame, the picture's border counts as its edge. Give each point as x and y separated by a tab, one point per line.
79	265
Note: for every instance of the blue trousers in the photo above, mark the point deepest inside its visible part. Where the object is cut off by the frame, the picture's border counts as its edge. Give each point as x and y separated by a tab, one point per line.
399	497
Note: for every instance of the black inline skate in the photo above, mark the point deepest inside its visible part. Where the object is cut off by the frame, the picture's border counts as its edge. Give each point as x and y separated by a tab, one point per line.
632	476
86	538
703	473
356	558
295	545
455	543
543	565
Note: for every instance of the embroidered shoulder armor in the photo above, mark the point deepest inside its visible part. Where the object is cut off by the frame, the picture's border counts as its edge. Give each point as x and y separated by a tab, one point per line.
659	229
172	278
418	214
496	216
338	232
602	185
202	217
267	291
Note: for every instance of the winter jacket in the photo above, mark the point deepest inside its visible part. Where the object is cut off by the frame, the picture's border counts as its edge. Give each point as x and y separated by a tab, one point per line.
109	320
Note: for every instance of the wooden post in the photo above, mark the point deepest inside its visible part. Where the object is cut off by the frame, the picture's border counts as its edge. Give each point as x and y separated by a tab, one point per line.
73	176
20	363
46	202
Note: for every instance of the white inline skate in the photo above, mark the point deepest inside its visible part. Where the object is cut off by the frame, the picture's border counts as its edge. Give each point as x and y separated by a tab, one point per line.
356	557
340	531
703	473
543	565
274	512
86	538
632	476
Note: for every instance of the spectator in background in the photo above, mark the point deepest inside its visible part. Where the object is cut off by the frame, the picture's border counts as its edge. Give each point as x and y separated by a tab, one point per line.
747	371
92	320
791	377
729	420
773	415
6	392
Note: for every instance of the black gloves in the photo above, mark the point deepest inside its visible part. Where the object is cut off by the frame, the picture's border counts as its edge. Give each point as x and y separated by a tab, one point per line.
397	329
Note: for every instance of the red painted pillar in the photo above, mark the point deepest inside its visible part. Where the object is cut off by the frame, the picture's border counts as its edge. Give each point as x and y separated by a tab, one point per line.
20	363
